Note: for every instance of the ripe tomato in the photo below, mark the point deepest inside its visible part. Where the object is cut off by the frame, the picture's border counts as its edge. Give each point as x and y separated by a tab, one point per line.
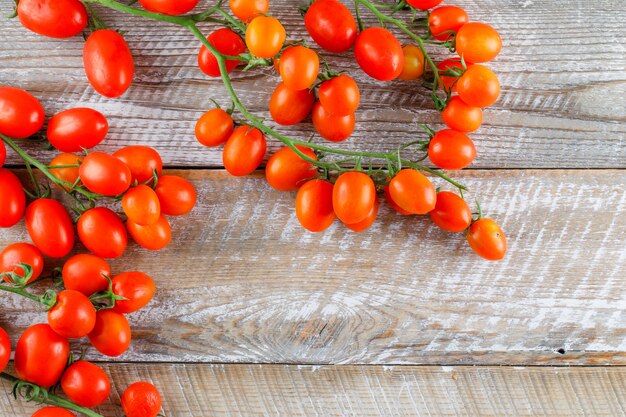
177	196
76	129
13	201
478	86
314	205
67	174
21	114
244	151
214	127
108	63
102	232
478	42
142	161
53	412
340	95
41	355
141	399
413	63
289	107
104	174
265	36
226	42
5	349
111	334
3	154
424	4
21	253
450	149
141	205
446	19
298	67
152	237
393	204
448	81
53	18
73	316
138	289
487	239
172	8
451	212
286	171
247	9
85	273
413	192
330	127
331	25
462	117
86	384
50	227
367	222
379	53
354	195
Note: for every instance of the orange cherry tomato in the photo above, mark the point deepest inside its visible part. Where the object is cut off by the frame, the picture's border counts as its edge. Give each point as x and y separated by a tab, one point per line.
244	151
141	399
138	289
53	412
141	205
462	117
286	171
68	174
170	7
445	21
53	18
104	174
450	149
330	127
86	273
265	36
76	129
50	227
86	384
102	232
478	42
73	316
478	86
298	67
314	205
340	95
424	4
414	63
176	195
226	42
289	107
247	9
13	201
41	355
152	237
354	195
451	212
393	204
21	253
5	349
331	25
111	335
214	127
21	114
367	222
142	161
108	63
413	192
487	239
379	54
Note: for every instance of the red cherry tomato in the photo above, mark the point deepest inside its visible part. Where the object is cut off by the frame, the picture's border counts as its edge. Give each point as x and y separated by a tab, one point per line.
5	349
75	129
13	201
288	107
478	42
141	399
413	192
367	222
85	273
105	174
21	114
478	86
108	63
424	4
142	161
445	21
86	384
152	237
379	54
487	239
247	9
214	127
177	196
53	412
41	355
3	154
298	67
286	171
138	289
73	316
265	36
451	212
53	18
170	7
21	253
102	232
448	81
314	205
331	25
111	334
354	195
340	95
68	174
393	204
332	128
244	151
462	117
141	205
226	42
50	227
450	149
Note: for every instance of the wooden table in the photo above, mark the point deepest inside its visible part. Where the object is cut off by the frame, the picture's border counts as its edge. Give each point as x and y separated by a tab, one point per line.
256	317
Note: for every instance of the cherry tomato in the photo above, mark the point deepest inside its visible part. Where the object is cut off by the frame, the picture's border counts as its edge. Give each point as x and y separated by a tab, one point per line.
3	154
451	212
53	412
379	53
102	232
170	7
73	316
478	42
340	95
462	117
445	21
265	36
244	151
141	399
354	195
141	205
450	149
105	174
314	205
289	107
331	25
67	174
478	86
21	114
448	81
85	273
298	67
330	127
413	192
108	63
5	349
50	227
86	384
487	239
393	204
214	127
367	222
247	9
41	355
53	18
424	4
111	334
138	289
413	63
143	161
176	195
226	42
76	129
13	201
21	253
286	171
152	237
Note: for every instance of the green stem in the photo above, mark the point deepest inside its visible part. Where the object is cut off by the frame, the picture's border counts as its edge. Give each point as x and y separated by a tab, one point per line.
23	293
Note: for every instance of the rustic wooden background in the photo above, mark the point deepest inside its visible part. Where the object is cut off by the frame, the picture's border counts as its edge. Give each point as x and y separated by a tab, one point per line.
256	317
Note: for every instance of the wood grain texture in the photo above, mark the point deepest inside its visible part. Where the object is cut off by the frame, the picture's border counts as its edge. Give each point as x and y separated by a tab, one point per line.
563	71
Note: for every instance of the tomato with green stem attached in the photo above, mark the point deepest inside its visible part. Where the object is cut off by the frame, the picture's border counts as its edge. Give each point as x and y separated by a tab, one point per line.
13	201
50	227
86	273
41	355
245	10
314	205
111	335
340	96
461	116
73	316
331	127
169	7
478	86
445	21
102	232
412	191
367	222
21	114
414	63
487	239
5	349
214	127
379	54
451	212
53	412
244	151
331	25
21	253
450	149
66	172
287	171
76	129
108	63
136	287
478	42
141	399
265	36
354	195
152	237
289	107
104	174
226	42
177	196
143	162
298	67
449	81
141	205
86	384
53	18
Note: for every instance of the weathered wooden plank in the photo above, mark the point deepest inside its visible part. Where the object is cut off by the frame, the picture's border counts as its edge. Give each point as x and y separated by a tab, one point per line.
563	71
243	282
